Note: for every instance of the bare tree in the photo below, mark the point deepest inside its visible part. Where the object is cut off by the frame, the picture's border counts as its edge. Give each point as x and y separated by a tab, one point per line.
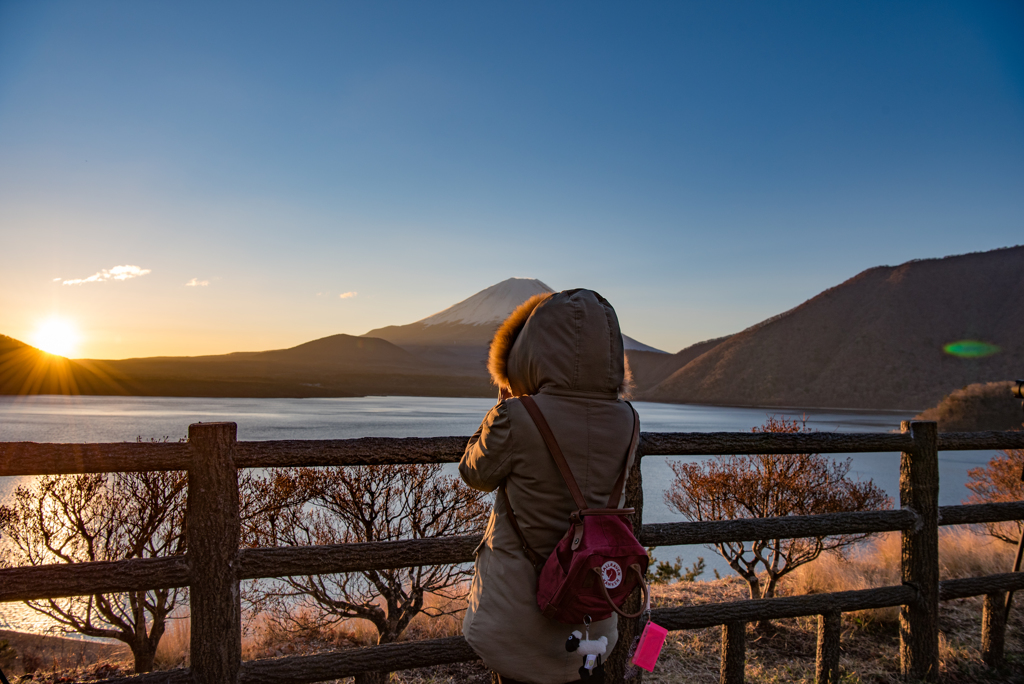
364	504
766	486
6	515
998	482
80	518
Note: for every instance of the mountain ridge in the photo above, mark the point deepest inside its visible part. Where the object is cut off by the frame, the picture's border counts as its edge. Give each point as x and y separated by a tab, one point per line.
873	341
471	322
369	366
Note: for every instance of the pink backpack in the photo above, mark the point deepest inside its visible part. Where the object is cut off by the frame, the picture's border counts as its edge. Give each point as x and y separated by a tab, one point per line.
598	562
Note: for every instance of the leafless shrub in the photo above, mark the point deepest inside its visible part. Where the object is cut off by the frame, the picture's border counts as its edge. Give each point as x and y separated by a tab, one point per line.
81	518
342	505
999	481
981	406
772	485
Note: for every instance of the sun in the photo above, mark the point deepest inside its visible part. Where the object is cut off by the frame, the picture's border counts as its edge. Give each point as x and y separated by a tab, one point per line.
57	336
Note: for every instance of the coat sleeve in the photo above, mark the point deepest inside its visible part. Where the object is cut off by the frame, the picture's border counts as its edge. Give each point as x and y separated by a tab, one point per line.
488	456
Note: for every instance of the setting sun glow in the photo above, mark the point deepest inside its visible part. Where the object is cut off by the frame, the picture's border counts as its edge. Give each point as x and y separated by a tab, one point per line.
56	336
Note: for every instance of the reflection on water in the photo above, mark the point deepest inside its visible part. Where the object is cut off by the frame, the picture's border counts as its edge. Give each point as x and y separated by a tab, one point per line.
120	419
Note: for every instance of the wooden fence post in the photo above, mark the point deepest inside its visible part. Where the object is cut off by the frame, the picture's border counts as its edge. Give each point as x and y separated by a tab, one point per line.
993	629
618	660
826	669
734	654
213	528
919	491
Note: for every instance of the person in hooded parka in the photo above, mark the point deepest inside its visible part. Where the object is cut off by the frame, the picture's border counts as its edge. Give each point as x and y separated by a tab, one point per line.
566	350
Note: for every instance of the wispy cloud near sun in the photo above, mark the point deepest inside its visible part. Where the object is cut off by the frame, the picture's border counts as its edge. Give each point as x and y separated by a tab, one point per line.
348	295
116	273
196	282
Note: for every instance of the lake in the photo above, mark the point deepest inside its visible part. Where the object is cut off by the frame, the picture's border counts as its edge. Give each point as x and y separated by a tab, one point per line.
120	419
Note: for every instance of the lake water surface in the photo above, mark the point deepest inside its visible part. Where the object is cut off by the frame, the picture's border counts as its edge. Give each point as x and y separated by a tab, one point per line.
125	419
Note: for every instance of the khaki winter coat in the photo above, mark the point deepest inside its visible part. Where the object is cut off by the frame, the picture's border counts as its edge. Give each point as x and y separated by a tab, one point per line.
564	349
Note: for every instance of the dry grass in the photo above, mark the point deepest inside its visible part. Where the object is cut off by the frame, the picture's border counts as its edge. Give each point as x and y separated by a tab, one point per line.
870	640
305	634
46	658
173	650
268	638
870	650
963	552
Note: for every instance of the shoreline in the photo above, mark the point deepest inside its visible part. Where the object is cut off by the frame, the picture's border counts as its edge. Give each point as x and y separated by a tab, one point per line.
371	395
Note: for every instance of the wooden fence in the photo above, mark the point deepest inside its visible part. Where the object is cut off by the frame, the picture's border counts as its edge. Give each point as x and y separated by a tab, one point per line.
214	563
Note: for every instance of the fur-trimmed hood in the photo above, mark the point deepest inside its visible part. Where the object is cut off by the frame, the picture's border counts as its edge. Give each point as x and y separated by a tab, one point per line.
564	342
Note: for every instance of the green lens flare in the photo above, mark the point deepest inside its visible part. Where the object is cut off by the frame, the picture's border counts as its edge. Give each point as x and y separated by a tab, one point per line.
970	349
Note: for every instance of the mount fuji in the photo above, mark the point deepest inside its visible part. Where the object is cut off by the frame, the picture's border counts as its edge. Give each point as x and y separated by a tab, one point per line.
472	322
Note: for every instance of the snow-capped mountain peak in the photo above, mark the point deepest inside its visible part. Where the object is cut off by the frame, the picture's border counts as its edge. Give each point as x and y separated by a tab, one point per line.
636	345
472	321
490	306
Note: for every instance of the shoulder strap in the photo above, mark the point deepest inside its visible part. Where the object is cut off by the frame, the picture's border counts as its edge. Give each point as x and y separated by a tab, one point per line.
613	500
556	452
570	482
531	555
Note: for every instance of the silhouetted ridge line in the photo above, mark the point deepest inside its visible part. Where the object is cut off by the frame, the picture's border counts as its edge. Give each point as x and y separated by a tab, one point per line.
874	341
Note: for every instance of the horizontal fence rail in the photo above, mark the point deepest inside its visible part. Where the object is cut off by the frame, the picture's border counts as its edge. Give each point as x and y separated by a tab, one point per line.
98	577
32	458
752	610
61	580
317	668
407	655
213	497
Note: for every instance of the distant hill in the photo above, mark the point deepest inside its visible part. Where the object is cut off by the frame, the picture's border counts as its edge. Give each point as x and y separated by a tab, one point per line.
337	353
650	368
27	370
336	366
875	341
458	337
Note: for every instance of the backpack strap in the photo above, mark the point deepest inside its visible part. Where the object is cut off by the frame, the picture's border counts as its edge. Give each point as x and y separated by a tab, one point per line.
535	558
613	500
576	517
556	452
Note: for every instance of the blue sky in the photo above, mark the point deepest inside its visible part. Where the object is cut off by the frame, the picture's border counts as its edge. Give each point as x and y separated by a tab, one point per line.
702	165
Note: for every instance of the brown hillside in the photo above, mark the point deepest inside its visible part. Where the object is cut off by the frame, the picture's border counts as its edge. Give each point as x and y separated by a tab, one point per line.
650	368
449	334
336	366
874	342
27	370
328	354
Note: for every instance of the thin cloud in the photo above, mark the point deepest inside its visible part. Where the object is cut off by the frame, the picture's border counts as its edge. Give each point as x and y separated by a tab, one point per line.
196	282
117	273
348	295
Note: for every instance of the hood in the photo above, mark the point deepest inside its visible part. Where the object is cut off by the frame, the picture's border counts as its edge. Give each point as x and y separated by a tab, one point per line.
566	342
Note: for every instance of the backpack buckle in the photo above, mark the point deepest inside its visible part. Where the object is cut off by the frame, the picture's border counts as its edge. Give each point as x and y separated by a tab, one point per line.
577	533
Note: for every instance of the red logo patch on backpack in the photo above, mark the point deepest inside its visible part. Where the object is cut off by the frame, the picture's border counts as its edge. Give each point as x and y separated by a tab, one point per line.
599	562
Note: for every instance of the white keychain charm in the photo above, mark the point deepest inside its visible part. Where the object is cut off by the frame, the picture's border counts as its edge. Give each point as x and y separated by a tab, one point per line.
591	650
